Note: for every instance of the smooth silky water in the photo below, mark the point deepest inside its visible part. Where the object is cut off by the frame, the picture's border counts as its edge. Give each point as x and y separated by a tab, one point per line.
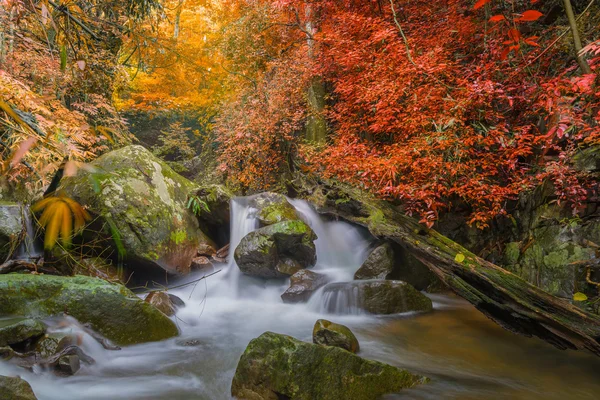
465	355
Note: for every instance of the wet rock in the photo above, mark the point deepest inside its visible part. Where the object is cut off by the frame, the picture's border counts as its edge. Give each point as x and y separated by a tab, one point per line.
201	262
11	228
53	343
302	285
176	301
162	301
189	343
277	366
108	308
147	201
378	265
374	296
329	333
391	297
17	330
206	249
223	252
288	266
259	252
273	208
15	389
68	365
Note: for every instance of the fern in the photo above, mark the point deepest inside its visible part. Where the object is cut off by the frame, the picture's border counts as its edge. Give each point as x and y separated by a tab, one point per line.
197	205
61	217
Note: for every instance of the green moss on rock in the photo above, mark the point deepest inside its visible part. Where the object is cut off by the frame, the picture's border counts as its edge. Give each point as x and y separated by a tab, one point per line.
262	251
17	330
147	201
277	366
109	308
329	333
15	389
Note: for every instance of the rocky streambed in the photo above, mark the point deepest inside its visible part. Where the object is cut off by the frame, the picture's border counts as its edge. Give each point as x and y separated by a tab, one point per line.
293	305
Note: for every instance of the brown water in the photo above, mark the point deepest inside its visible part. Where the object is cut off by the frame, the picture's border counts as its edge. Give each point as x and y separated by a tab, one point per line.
469	357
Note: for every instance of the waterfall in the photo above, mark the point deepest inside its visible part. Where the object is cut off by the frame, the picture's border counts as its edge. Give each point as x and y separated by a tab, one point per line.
29	248
341	249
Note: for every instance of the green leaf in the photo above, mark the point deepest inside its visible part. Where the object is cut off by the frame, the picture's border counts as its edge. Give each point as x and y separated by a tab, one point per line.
579	296
63	57
460	257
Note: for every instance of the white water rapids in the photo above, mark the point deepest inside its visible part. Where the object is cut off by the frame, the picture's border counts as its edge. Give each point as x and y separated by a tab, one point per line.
467	356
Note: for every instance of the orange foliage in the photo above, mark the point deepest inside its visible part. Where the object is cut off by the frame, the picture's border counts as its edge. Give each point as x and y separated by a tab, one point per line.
442	118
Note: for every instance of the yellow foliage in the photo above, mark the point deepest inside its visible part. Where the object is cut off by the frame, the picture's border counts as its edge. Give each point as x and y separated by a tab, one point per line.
580	296
459	257
61	217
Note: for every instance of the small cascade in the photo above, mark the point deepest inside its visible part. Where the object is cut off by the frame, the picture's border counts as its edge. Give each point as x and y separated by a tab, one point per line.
342	298
243	220
30	248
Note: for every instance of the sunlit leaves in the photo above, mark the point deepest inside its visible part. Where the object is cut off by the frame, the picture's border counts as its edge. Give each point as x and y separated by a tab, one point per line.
61	218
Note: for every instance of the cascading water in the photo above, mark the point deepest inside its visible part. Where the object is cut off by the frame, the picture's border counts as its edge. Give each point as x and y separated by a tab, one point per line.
225	311
29	248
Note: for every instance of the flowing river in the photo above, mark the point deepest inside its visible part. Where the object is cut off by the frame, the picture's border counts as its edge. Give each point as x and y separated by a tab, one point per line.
465	355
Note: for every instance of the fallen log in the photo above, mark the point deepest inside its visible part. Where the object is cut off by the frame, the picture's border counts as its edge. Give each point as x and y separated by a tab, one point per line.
503	297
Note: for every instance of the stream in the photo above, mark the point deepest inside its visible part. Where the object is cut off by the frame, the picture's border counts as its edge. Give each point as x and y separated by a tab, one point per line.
465	355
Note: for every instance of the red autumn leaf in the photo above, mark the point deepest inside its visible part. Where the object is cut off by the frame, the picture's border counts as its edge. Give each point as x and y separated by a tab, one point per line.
480	4
530	15
514	34
497	18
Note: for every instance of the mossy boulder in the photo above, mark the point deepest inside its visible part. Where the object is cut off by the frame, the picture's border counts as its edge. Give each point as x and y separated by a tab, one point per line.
273	208
329	333
147	203
109	308
378	265
17	330
302	285
392	297
277	366
266	252
11	228
15	389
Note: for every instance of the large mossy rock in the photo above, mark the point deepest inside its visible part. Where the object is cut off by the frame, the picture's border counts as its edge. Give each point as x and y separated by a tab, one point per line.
302	285
329	333
273	208
147	202
378	265
15	389
11	228
277	366
17	330
109	308
265	252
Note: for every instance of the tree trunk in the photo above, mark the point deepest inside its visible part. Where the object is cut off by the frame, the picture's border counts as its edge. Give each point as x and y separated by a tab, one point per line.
585	67
503	297
316	126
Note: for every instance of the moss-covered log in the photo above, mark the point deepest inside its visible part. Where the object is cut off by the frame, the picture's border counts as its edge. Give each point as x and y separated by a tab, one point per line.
505	298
